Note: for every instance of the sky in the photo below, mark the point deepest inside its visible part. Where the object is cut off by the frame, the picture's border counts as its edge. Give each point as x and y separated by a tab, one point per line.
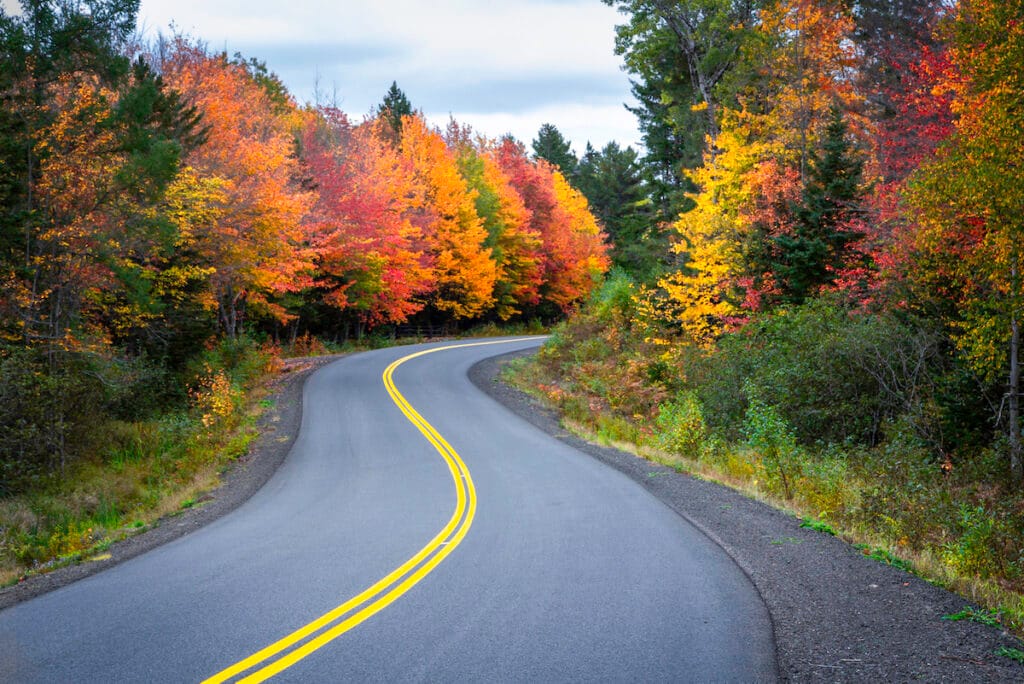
502	66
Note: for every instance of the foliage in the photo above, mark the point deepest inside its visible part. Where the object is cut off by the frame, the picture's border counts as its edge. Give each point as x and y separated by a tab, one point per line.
554	149
983	617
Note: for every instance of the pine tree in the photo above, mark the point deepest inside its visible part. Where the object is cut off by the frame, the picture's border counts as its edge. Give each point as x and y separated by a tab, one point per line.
395	106
552	147
826	220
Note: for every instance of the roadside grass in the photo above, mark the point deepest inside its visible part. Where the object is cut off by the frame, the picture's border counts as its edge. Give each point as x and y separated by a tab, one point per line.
915	518
140	471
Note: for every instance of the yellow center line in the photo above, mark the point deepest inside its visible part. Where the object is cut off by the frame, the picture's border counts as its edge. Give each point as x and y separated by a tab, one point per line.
387	590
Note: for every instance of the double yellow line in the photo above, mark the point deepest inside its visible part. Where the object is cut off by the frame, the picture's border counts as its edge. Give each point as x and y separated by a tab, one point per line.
292	648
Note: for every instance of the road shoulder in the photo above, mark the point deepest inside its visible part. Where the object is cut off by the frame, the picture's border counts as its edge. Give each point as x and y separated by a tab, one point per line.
838	616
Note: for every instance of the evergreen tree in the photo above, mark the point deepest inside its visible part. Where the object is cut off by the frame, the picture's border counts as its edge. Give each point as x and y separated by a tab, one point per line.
825	224
552	147
613	182
395	106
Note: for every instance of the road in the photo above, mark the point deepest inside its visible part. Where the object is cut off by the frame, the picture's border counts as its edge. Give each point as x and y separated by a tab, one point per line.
480	548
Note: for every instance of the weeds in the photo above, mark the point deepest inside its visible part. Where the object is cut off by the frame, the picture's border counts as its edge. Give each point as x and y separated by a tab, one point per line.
983	617
1011	653
818	526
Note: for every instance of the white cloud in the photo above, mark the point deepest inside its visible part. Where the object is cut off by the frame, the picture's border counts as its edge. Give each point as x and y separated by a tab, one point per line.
509	64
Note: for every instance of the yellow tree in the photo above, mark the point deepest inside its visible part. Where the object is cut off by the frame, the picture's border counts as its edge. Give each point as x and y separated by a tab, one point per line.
970	198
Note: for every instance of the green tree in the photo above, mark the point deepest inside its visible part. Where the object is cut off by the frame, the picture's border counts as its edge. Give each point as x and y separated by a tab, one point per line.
393	109
551	146
612	180
826	221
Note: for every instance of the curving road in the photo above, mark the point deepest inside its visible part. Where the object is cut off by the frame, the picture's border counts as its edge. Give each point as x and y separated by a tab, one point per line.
517	558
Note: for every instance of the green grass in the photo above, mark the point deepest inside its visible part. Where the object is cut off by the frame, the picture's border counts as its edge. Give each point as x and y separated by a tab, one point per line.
983	617
1011	653
818	526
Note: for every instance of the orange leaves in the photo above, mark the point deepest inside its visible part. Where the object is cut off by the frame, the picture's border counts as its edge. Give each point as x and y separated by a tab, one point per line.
464	273
573	248
253	239
368	251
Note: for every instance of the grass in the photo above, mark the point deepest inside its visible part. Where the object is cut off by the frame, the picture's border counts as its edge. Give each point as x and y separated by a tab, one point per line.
143	471
818	526
1011	653
983	617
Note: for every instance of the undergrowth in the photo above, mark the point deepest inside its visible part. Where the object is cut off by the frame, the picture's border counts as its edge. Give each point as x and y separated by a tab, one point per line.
140	471
801	422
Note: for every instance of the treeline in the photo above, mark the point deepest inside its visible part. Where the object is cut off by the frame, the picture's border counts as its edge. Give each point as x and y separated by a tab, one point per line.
158	198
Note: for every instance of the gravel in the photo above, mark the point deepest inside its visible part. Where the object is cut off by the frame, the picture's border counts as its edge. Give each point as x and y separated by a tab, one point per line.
838	615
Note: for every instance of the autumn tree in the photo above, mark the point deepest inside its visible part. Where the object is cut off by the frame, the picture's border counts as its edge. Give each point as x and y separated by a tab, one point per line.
572	244
367	251
463	271
250	231
970	199
515	246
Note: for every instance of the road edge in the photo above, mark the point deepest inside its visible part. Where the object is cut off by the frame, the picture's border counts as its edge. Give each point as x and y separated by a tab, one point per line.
836	615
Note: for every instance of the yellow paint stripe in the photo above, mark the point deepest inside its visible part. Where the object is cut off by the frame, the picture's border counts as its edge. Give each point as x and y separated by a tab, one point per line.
436	550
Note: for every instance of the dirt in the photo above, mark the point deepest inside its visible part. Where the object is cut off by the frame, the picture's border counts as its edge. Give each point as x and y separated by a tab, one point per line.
838	615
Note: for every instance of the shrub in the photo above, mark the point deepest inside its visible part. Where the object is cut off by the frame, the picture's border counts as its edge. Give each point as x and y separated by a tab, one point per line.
682	429
771	436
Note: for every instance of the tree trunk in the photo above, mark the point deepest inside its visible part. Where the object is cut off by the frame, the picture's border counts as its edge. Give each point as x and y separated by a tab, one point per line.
1016	467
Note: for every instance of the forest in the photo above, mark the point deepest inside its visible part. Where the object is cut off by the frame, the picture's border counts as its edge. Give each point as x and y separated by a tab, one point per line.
814	264
160	199
816	294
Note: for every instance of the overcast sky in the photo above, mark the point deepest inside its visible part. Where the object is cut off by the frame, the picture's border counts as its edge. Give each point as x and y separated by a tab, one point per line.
499	65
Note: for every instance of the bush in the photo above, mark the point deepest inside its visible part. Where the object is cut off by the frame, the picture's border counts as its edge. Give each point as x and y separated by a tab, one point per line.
682	429
834	376
774	440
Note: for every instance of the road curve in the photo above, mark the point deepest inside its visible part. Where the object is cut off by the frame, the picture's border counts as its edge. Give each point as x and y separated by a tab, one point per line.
560	568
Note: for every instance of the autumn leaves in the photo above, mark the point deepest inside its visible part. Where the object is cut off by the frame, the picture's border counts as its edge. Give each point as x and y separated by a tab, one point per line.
375	223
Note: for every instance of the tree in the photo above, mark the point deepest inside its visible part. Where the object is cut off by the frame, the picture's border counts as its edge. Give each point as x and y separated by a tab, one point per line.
969	198
463	271
550	146
251	235
514	246
826	221
572	245
368	253
612	180
393	110
685	49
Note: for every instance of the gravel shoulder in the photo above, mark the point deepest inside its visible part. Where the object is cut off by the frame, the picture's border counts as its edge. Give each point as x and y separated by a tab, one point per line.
278	427
838	616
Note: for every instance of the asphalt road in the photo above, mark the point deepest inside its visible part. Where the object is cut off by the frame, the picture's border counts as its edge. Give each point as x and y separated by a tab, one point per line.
530	561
